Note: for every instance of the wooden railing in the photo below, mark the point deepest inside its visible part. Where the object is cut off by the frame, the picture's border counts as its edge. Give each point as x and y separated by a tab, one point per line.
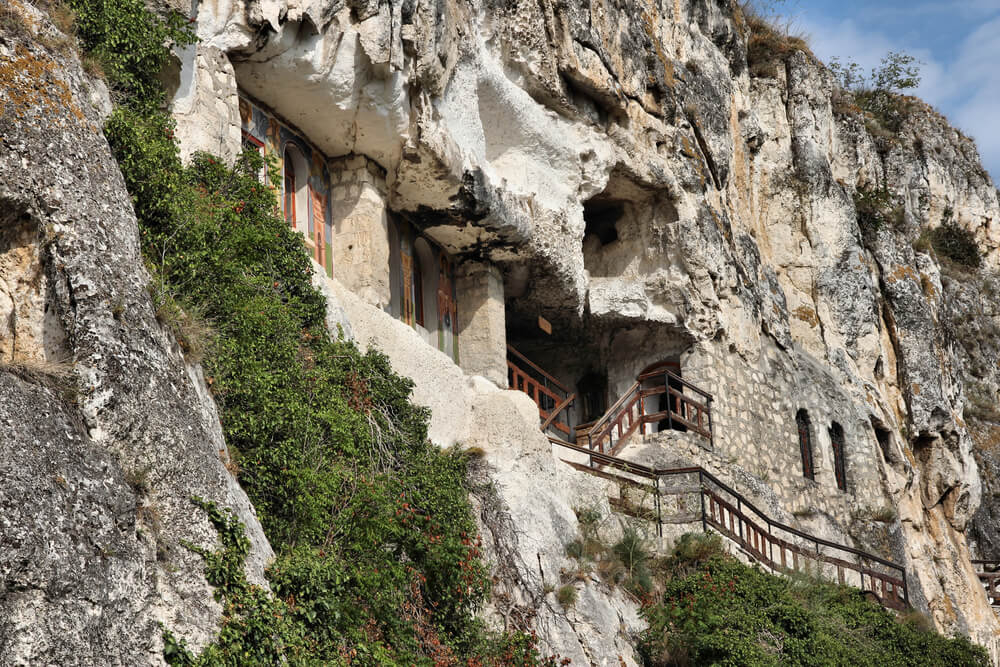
777	546
552	397
989	575
683	408
629	413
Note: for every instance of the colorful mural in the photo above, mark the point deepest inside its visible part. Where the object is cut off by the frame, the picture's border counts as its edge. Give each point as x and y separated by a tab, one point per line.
425	288
264	132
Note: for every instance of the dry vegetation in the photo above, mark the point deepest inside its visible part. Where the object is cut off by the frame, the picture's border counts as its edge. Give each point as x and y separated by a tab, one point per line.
56	374
771	39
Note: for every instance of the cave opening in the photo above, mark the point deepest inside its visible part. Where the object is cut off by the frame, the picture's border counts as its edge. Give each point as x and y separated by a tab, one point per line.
600	217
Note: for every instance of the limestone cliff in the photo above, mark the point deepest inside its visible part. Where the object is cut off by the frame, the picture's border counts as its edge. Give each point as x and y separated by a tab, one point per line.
508	130
616	168
107	432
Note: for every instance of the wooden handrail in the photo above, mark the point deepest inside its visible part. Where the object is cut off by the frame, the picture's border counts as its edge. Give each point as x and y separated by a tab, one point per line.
678	379
556	410
614	408
640	470
534	367
516	372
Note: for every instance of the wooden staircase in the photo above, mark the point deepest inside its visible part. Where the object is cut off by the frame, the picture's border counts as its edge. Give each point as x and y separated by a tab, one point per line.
693	495
553	398
989	576
687	406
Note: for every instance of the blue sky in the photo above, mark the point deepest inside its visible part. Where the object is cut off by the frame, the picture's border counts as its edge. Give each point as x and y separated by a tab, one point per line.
958	43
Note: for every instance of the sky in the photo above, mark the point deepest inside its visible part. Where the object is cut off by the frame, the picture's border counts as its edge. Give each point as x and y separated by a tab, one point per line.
957	42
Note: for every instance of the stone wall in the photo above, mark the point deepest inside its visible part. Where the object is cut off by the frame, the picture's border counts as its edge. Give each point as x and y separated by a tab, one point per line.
753	417
360	228
482	333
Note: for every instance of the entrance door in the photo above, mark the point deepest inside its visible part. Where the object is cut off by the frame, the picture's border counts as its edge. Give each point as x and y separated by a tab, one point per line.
665	401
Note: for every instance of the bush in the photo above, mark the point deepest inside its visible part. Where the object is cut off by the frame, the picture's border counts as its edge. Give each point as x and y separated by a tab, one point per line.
876	209
955	243
377	558
567	595
726	613
632	552
768	42
877	94
981	403
692	550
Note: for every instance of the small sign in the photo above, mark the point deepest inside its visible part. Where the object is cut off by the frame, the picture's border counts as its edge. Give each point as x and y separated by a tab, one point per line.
544	325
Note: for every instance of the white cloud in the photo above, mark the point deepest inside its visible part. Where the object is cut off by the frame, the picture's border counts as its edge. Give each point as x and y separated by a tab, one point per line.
977	71
966	87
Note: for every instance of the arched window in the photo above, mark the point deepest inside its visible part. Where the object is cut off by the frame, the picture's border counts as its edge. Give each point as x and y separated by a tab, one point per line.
289	193
839	460
418	290
295	195
805	443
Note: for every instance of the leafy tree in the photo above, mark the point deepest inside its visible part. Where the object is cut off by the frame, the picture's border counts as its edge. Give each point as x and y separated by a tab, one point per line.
878	92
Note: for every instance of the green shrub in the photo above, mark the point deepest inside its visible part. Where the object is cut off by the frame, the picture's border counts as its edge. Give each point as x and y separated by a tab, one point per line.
955	243
694	549
131	44
633	553
567	595
725	613
877	94
876	209
377	558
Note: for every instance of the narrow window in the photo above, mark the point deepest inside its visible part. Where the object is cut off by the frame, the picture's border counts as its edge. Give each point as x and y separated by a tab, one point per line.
289	190
418	291
839	467
805	444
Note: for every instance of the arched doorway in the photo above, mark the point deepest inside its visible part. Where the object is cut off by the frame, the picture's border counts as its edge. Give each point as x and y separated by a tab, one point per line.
425	283
665	374
593	392
295	190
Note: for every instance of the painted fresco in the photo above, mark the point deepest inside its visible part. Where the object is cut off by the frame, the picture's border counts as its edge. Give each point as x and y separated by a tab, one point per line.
444	311
447	308
266	132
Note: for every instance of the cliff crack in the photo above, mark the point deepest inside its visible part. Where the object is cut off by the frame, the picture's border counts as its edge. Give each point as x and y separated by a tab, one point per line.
703	146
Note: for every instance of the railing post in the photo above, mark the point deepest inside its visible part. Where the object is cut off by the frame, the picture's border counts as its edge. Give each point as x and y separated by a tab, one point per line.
739	519
701	495
642	412
770	545
659	517
711	431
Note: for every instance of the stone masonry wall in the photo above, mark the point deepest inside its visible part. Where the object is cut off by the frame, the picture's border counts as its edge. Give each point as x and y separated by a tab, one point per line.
360	227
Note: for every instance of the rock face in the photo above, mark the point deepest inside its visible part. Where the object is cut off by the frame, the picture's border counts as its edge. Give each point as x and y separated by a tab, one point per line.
619	169
519	134
651	195
107	431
